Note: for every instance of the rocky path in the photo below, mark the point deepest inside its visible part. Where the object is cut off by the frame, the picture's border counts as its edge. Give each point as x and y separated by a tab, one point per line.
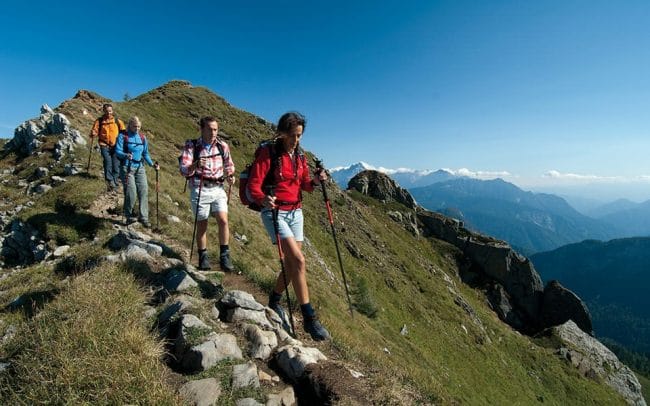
210	318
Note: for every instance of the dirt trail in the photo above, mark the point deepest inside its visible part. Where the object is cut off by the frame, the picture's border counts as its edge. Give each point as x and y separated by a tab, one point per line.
109	206
332	376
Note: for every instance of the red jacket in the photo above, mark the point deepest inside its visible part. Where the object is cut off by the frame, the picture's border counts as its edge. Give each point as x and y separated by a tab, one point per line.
291	176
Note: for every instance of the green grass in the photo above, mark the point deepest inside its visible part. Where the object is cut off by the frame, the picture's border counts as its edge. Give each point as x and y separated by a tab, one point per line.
645	384
89	346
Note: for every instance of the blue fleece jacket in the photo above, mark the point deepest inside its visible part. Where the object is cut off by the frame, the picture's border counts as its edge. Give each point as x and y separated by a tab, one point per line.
135	146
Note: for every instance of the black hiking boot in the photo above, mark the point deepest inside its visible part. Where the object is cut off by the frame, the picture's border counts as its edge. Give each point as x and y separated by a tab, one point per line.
115	210
226	263
204	261
279	310
315	329
131	220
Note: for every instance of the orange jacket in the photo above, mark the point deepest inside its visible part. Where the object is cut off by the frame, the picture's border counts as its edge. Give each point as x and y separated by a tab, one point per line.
107	129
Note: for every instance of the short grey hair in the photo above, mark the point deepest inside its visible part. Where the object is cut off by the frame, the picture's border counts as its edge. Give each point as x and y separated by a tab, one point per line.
134	120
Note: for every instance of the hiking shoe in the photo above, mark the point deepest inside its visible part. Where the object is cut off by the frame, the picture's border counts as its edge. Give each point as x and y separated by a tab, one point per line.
145	223
204	261
226	263
283	316
316	330
115	211
131	220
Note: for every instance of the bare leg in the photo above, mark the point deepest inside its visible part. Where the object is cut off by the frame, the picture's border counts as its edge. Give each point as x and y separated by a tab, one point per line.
295	266
224	232
201	234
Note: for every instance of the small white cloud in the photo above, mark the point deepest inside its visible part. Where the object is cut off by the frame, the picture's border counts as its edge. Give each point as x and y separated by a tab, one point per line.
404	170
479	174
423	172
578	177
575	178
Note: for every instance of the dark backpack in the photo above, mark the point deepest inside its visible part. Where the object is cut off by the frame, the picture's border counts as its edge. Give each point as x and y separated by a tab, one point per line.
244	193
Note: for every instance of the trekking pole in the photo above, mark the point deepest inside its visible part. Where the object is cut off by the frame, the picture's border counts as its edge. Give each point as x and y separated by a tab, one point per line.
319	167
90	154
229	190
157	206
196	216
276	227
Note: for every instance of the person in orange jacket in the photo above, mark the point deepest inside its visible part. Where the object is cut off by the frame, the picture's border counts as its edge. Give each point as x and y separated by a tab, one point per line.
107	128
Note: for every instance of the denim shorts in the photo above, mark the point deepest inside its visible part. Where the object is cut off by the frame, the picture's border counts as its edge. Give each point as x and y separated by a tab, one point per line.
213	199
290	224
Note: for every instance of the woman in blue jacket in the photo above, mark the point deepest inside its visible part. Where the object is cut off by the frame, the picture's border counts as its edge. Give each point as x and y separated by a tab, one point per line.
132	149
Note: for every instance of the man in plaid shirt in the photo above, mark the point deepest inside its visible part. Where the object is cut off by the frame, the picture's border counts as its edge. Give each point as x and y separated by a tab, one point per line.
207	173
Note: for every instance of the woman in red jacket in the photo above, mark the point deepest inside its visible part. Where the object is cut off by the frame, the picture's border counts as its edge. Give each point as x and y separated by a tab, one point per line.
291	176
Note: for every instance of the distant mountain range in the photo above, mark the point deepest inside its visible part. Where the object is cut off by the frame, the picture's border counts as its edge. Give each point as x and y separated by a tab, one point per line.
632	219
613	278
407	178
532	222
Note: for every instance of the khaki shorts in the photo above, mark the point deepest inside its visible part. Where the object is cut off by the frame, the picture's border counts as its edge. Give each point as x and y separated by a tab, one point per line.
213	200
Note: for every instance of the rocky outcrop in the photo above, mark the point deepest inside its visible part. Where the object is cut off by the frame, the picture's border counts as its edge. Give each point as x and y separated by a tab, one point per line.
29	135
561	305
520	299
407	219
596	361
499	301
22	245
514	288
381	187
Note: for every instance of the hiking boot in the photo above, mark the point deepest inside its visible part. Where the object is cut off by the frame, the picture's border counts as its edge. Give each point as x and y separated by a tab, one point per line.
226	263
115	211
145	223
283	316
316	330
131	220
204	261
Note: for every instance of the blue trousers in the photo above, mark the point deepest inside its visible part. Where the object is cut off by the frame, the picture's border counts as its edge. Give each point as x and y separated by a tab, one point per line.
135	183
111	165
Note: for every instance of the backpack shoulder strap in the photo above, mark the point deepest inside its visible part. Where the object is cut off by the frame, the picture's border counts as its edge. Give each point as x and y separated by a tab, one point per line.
197	145
273	156
223	156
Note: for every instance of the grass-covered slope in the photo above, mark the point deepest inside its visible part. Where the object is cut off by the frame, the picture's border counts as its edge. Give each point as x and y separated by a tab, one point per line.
456	351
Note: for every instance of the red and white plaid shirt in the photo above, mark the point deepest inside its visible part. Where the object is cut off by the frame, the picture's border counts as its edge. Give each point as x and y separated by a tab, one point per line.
214	168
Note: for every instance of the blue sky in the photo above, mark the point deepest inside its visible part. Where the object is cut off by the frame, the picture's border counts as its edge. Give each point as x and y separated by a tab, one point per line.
509	86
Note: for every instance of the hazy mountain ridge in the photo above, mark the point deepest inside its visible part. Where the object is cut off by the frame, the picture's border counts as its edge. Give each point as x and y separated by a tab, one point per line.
541	221
633	221
532	221
407	178
613	278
